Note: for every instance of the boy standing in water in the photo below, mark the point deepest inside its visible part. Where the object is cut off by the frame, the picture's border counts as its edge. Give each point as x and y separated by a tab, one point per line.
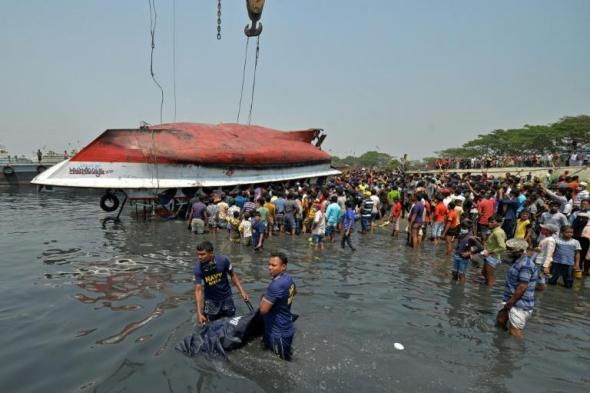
416	220
495	245
213	296
348	226
318	228
440	213
394	218
275	307
245	229
523	227
332	217
466	245
258	230
451	227
233	222
566	257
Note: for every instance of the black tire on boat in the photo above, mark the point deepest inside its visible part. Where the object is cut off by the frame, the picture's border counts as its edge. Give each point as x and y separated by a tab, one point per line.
8	171
41	168
109	202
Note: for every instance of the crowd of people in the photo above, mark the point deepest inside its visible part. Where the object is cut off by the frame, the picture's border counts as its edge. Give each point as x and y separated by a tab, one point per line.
578	158
539	227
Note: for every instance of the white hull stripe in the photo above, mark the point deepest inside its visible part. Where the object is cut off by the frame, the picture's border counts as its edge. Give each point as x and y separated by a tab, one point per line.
162	176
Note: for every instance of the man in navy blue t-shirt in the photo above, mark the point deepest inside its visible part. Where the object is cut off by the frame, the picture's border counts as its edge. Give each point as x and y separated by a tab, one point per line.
275	307
213	296
258	230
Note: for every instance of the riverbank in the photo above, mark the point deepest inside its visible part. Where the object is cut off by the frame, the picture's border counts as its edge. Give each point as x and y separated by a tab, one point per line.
582	171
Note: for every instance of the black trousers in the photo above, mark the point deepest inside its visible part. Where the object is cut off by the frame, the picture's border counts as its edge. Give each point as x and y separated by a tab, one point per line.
561	270
346	240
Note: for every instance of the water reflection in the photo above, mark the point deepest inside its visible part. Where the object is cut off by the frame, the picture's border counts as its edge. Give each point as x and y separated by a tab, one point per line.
129	284
504	358
135	281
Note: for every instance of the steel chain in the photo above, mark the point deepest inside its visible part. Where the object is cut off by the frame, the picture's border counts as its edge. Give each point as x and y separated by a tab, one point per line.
218	19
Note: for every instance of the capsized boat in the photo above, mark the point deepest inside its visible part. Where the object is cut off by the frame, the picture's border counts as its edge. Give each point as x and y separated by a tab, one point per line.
191	155
182	155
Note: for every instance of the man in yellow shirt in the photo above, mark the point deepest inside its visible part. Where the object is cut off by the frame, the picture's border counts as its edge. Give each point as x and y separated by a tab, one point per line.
271	216
495	245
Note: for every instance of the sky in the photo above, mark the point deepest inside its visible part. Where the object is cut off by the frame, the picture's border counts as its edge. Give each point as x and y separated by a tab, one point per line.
399	77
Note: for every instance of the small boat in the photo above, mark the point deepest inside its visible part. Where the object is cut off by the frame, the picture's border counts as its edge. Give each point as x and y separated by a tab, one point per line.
191	155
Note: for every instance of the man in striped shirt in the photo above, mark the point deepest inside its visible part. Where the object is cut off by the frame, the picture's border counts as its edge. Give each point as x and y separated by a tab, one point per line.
519	293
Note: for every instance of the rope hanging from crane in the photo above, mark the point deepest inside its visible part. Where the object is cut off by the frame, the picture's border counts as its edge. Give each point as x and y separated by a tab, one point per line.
254	79
153	20
174	54
243	80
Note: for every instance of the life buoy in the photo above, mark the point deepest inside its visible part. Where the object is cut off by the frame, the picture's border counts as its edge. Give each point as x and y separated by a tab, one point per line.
109	202
41	168
8	171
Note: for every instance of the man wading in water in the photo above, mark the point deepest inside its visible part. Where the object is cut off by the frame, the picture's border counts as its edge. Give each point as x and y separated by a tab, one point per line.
275	307
519	293
211	272
467	245
494	247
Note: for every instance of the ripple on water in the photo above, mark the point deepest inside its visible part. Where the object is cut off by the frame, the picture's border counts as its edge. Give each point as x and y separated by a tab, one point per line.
123	293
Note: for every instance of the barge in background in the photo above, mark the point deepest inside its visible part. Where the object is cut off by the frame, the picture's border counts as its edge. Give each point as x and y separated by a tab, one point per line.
20	170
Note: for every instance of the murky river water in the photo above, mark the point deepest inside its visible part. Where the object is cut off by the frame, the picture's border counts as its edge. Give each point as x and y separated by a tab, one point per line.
93	307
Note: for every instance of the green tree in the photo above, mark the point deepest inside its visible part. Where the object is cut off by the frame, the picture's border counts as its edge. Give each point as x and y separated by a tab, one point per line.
566	135
370	159
573	131
459	152
374	159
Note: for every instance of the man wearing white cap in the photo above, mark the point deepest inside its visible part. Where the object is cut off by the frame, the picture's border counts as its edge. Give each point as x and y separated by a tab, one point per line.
582	193
519	293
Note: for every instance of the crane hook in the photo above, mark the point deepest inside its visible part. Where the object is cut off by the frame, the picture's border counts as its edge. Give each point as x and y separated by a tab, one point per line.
254	13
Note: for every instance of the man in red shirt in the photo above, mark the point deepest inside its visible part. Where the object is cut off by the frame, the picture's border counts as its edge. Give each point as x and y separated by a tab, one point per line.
394	218
452	227
440	212
485	208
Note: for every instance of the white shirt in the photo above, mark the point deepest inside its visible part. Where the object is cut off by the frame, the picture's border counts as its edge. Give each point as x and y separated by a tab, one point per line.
246	228
458	198
319	224
232	209
545	256
376	203
447	200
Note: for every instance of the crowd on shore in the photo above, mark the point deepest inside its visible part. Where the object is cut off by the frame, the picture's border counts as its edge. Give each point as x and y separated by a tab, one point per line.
539	227
579	158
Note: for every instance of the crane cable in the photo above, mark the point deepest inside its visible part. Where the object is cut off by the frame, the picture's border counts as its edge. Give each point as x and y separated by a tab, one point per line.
243	80
254	79
174	54
153	20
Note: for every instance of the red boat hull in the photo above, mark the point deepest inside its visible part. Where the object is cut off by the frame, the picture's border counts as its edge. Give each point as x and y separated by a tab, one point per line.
224	145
